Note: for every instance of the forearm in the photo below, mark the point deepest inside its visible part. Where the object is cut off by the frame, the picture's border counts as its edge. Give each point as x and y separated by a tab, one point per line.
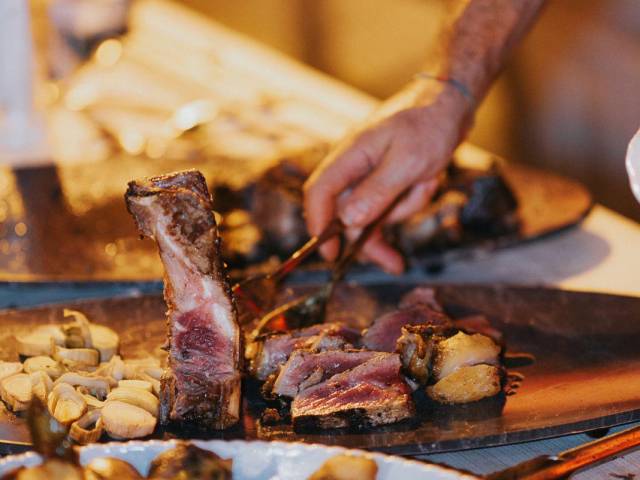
475	42
478	38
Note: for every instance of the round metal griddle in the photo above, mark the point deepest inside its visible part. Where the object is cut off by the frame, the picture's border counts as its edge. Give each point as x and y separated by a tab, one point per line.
585	373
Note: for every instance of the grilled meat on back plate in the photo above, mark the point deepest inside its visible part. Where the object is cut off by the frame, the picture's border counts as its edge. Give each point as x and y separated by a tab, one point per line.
202	381
307	368
187	461
385	331
267	353
372	393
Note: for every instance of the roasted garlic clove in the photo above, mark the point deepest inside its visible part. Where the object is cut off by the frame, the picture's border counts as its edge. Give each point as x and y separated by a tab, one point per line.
96	386
8	369
88	428
136	396
15	391
43	363
65	404
122	420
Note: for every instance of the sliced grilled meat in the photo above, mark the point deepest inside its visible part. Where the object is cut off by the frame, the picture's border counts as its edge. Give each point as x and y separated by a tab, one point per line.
305	369
421	296
269	352
373	393
385	331
202	381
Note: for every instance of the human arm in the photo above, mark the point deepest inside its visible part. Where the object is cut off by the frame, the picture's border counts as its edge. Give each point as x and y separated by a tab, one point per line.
411	137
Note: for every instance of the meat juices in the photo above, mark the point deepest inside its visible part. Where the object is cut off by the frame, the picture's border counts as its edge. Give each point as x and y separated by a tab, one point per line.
202	381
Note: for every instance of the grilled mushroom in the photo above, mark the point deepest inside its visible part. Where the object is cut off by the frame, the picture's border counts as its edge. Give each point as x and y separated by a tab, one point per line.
88	428
96	386
110	469
41	385
76	357
38	341
77	333
16	391
9	368
42	363
123	420
65	404
142	384
136	396
105	340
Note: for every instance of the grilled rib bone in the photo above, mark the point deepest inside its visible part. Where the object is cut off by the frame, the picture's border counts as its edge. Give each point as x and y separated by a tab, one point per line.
202	381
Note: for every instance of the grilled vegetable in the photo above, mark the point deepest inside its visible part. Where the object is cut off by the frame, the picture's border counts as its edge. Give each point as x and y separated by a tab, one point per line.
8	369
188	461
136	396
96	386
88	428
346	467
464	350
38	342
110	469
44	364
41	385
80	358
467	384
123	420
77	333
16	391
65	404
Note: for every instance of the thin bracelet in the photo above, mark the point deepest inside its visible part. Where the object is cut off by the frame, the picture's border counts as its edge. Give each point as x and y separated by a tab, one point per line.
461	87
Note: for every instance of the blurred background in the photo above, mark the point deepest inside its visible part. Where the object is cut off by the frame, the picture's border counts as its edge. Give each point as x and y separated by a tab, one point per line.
568	100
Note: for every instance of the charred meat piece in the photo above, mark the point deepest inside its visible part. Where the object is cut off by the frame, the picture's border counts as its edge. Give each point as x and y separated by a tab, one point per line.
467	384
276	206
421	296
373	393
267	353
202	381
416	347
491	207
385	331
188	461
462	350
305	369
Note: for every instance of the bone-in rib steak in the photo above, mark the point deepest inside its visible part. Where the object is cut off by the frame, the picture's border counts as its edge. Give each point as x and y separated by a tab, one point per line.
202	381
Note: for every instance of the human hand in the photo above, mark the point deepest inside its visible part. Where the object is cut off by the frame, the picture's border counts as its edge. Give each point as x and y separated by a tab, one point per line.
371	168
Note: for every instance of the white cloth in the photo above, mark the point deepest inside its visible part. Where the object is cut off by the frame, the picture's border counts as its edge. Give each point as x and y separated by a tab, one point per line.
633	164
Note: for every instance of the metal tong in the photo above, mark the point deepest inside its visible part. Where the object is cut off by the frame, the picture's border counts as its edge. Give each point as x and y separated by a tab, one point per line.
257	294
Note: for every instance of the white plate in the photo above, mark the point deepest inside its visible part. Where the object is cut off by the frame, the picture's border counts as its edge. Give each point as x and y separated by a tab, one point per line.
254	460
